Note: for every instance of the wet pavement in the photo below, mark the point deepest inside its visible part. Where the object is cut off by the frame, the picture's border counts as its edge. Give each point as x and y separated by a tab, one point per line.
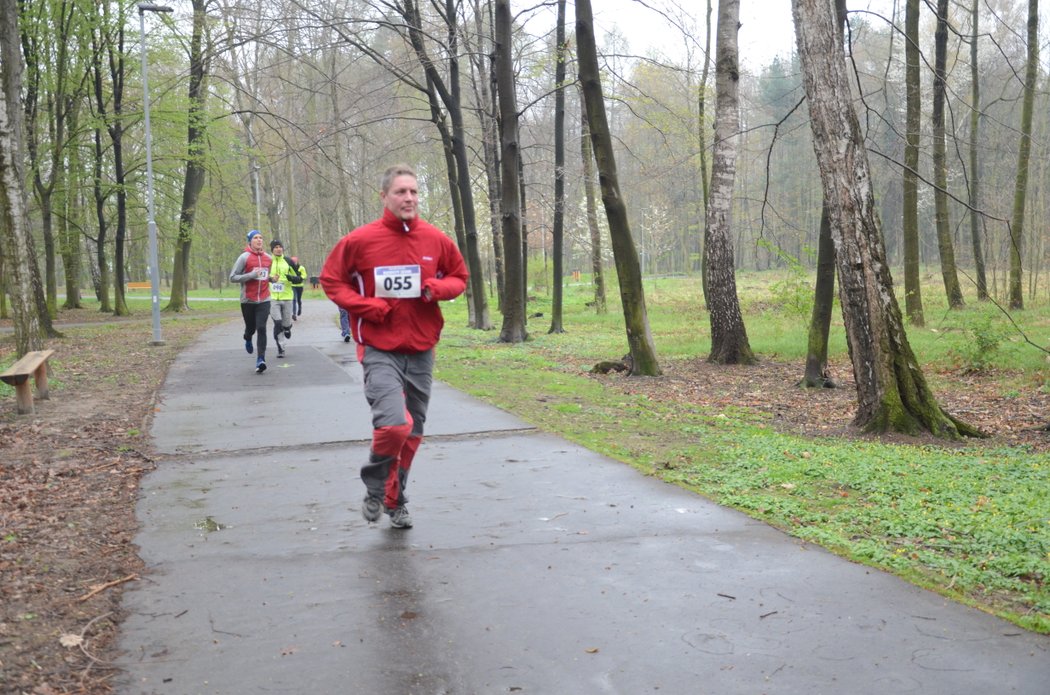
535	566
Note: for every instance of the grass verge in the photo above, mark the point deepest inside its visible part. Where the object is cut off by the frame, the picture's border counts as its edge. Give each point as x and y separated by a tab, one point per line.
971	522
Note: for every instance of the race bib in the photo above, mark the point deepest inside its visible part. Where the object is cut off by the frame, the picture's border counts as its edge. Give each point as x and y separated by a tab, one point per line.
398	281
278	287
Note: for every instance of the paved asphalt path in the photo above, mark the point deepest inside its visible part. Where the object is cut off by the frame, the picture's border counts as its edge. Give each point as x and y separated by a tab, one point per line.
535	566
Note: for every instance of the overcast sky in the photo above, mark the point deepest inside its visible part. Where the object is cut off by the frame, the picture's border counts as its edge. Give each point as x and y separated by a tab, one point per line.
766	29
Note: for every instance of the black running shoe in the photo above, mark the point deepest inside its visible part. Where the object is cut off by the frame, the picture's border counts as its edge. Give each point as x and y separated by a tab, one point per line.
371	509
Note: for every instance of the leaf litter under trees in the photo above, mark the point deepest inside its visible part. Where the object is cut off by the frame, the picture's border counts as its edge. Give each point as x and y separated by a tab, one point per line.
69	479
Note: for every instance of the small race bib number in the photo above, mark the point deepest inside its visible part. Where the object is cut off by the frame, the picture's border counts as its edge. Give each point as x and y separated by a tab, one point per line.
398	281
278	287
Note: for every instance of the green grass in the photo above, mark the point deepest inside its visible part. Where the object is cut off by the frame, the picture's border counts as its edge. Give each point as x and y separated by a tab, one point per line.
970	522
89	325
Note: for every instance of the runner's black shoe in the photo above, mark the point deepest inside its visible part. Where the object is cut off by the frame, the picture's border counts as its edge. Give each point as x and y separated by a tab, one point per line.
371	509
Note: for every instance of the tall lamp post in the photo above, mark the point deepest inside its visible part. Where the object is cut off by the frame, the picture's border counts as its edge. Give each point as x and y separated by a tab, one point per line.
154	275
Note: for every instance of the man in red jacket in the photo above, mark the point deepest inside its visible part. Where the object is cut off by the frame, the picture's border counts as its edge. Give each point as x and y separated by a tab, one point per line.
389	275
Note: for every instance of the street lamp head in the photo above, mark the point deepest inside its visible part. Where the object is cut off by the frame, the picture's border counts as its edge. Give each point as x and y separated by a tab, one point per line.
150	7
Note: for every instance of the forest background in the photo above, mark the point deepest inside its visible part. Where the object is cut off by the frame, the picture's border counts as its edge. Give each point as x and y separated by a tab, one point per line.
295	110
282	115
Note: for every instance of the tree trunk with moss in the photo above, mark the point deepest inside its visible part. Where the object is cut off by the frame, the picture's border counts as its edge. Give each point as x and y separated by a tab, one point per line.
513	329
22	275
628	269
1024	149
912	134
892	393
816	374
974	191
949	271
14	234
196	149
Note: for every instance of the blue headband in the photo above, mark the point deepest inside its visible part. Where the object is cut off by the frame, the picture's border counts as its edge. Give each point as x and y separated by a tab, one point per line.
253	233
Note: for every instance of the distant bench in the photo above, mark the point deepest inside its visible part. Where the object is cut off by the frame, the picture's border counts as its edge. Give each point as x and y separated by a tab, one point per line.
31	364
140	285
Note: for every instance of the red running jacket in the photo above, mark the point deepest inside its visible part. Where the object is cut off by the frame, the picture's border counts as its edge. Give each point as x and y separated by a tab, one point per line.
389	275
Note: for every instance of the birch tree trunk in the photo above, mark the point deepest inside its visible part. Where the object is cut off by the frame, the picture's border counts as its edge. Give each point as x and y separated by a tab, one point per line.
13	228
729	343
14	231
30	310
632	293
892	392
587	155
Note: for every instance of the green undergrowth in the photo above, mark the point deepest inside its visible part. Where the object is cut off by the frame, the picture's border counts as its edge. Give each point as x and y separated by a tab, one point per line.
970	522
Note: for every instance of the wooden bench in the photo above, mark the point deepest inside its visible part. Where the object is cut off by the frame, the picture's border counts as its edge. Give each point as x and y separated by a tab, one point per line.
31	364
140	285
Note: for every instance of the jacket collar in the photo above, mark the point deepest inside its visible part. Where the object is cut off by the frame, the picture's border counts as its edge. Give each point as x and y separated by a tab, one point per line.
392	221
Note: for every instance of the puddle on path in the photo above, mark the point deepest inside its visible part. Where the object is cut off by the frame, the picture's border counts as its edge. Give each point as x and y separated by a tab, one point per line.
208	525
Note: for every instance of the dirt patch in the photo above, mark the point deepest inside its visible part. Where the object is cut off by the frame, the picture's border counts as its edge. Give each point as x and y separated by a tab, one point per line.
69	477
1010	409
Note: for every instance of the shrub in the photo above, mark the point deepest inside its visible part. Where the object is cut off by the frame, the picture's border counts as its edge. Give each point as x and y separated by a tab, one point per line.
978	352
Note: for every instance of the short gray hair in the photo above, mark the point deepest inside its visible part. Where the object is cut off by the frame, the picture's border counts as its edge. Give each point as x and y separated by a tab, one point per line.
393	172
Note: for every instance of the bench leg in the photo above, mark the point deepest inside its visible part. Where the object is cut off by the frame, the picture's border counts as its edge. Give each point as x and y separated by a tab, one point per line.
40	378
24	398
